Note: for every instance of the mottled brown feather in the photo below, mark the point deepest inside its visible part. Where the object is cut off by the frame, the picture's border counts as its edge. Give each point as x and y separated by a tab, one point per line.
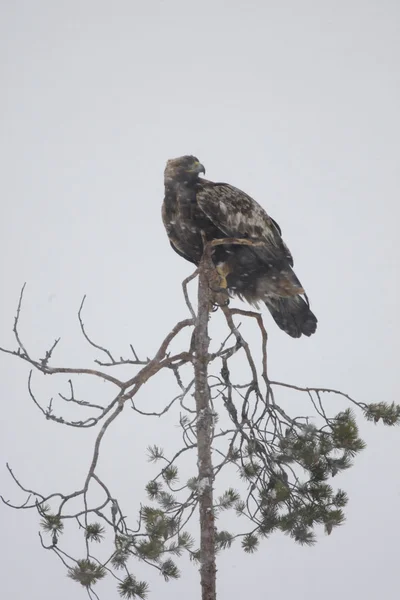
194	207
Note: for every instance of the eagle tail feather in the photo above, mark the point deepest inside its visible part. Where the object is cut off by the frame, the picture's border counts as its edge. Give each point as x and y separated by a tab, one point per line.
292	315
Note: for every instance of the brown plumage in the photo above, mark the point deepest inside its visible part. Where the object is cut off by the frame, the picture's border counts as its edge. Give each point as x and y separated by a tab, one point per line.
261	273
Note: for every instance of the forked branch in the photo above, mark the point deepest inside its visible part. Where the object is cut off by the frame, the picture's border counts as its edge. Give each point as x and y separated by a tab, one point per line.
229	419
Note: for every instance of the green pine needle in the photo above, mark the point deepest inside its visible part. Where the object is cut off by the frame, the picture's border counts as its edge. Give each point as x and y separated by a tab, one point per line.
151	549
333	518
192	484
153	488
345	433
166	500
228	499
131	588
250	543
389	414
340	499
223	540
122	551
185	540
195	556
87	572
169	570
154	453
249	470
52	523
240	507
170	474
94	532
43	508
119	559
303	536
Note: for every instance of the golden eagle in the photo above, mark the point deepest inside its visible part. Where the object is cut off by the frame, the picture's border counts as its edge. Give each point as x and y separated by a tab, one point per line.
261	273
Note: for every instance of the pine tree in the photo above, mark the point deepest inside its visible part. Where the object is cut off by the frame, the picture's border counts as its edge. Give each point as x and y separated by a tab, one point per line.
282	465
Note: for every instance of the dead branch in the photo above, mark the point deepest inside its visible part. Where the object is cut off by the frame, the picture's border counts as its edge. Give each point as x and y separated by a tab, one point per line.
283	461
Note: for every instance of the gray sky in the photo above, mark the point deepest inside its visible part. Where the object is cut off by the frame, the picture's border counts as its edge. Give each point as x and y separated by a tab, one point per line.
294	102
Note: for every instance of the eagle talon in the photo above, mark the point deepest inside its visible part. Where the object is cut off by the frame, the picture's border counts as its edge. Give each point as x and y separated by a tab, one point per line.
220	296
219	302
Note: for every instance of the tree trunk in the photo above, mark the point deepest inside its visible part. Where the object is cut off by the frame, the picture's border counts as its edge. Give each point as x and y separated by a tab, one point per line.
204	438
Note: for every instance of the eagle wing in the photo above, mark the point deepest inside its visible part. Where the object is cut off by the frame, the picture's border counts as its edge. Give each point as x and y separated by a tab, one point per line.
237	215
173	239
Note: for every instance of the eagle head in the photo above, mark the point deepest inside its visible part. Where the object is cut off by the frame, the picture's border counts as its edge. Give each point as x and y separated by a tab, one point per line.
184	169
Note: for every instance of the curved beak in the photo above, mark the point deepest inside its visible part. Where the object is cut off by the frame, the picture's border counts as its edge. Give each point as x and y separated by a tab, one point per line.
199	168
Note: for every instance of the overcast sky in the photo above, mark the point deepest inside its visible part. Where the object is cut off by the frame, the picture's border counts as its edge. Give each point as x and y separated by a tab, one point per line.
297	103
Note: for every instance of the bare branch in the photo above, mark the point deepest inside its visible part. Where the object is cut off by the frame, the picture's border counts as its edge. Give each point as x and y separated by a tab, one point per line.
79	402
44	361
319	390
284	462
87	338
185	283
100	436
16	320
